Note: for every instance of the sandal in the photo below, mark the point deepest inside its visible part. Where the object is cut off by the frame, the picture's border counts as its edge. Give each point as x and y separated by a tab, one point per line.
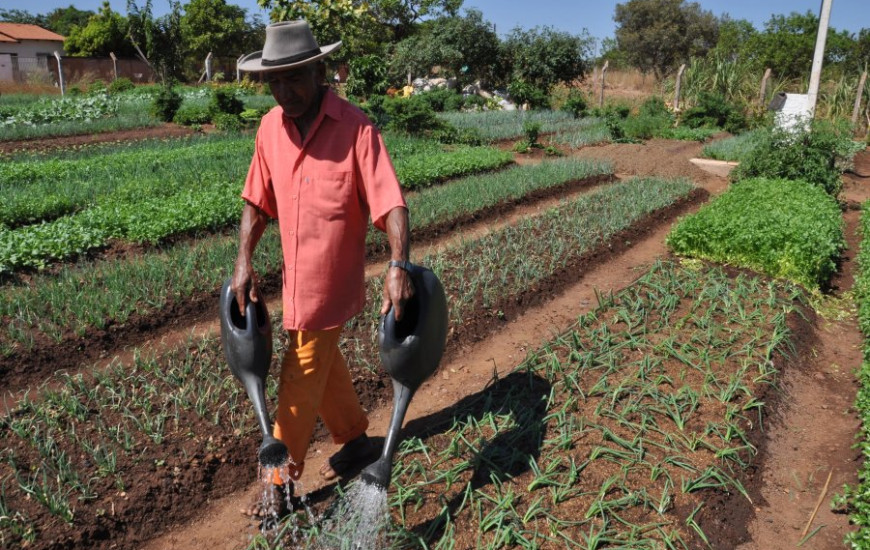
350	455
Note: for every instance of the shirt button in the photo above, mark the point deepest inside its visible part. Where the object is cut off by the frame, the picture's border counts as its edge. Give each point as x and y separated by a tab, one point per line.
293	197
307	180
291	233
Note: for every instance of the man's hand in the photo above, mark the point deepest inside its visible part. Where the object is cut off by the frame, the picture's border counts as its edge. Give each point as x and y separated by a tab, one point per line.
398	289
244	280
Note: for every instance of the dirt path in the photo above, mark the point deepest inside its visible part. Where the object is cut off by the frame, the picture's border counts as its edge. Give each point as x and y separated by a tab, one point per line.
810	435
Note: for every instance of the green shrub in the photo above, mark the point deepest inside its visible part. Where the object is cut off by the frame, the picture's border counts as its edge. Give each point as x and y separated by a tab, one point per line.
121	84
413	115
97	87
523	92
225	122
473	102
712	110
166	103
442	99
575	104
450	134
368	76
817	156
190	115
782	228
654	107
252	116
645	126
224	100
532	131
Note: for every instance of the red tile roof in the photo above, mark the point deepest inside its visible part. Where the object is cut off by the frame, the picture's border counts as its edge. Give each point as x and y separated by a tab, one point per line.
16	32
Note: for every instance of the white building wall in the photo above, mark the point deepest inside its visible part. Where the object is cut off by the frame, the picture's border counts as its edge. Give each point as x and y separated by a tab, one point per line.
32	48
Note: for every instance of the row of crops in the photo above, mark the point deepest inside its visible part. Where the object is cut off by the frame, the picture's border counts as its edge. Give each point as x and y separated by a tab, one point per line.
57	209
857	499
91	295
120	423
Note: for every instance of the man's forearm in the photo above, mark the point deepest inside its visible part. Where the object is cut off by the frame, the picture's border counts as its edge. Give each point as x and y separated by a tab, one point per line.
251	229
399	234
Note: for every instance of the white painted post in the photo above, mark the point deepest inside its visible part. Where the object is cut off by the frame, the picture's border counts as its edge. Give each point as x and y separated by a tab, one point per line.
59	72
601	97
678	86
238	72
208	67
763	93
818	57
858	97
114	63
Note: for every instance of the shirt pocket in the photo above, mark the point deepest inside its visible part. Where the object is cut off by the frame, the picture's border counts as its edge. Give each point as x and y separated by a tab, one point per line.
329	194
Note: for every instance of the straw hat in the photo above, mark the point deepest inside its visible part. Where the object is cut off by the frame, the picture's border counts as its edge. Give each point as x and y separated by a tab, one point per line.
288	44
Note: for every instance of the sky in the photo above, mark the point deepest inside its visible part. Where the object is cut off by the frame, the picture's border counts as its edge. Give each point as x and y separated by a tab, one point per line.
573	16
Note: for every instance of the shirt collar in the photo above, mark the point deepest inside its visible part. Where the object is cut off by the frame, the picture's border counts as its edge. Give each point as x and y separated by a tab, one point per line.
331	105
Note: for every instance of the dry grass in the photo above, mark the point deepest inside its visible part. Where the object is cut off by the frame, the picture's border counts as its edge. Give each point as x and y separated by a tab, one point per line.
34	89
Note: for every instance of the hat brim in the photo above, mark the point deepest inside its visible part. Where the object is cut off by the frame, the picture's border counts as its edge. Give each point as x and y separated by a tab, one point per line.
253	62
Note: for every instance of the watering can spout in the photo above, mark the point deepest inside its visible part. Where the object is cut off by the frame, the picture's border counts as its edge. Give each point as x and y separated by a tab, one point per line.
247	343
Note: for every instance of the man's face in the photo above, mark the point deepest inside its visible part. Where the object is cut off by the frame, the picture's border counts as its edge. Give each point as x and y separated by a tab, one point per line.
295	89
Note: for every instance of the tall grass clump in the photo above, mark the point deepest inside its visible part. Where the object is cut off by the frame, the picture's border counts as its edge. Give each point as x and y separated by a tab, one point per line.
817	156
782	228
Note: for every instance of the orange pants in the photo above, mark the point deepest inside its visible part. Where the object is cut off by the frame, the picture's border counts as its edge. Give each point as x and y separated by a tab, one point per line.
313	368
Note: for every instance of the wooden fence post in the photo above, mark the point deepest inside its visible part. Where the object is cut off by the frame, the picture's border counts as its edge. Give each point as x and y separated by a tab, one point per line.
678	86
60	72
858	97
208	67
239	72
603	73
114	63
763	93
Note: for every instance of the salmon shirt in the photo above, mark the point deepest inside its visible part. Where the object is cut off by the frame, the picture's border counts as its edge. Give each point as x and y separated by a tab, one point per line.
323	191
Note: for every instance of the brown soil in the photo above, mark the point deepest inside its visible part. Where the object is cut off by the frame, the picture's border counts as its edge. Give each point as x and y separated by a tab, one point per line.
809	435
166	130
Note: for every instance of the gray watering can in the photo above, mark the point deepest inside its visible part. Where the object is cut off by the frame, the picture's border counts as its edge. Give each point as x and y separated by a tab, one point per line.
410	351
247	343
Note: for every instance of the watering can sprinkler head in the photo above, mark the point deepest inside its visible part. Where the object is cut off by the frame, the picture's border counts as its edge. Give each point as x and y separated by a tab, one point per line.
410	350
247	343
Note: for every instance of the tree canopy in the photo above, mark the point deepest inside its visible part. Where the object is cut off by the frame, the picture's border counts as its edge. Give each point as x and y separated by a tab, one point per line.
104	32
466	47
544	56
788	42
658	35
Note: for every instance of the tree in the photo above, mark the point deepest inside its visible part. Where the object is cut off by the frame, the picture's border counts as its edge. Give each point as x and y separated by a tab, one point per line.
105	32
733	35
158	40
543	57
62	20
363	26
657	35
21	16
466	47
217	27
787	45
402	16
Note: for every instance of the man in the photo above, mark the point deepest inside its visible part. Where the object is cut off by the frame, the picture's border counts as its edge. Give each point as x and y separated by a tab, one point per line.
320	167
